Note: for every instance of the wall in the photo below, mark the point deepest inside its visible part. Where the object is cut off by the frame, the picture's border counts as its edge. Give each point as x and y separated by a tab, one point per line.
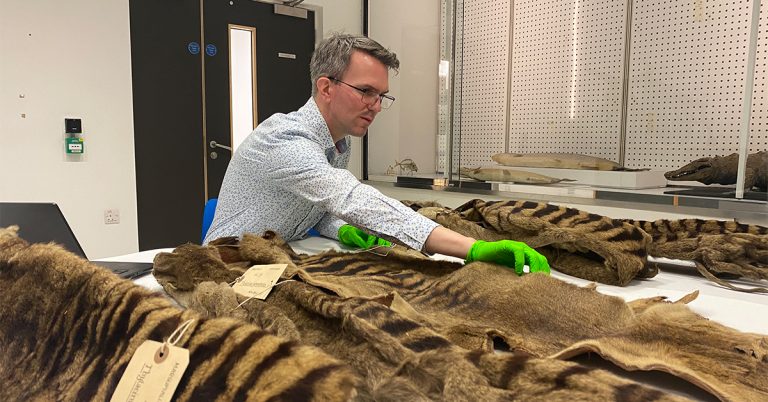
409	128
72	59
343	16
69	59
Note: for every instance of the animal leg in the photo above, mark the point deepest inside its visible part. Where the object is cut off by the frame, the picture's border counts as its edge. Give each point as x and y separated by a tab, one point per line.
715	265
703	271
742	255
749	179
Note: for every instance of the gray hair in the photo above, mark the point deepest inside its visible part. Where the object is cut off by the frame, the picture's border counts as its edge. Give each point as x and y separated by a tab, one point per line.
331	58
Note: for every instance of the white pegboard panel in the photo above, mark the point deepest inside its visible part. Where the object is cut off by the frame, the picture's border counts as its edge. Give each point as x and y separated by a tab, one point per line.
480	88
458	57
687	76
758	133
444	91
567	76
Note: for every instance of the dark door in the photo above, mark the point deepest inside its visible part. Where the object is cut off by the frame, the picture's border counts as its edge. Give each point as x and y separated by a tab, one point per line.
167	120
181	96
283	48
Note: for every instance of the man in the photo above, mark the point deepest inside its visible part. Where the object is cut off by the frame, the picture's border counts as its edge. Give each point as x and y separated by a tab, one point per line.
290	174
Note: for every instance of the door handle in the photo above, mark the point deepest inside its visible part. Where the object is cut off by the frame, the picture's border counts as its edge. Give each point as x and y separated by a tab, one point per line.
215	144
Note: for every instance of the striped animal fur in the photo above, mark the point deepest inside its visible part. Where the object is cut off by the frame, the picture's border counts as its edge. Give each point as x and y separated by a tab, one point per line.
575	242
408	324
668	230
717	247
386	339
476	301
69	329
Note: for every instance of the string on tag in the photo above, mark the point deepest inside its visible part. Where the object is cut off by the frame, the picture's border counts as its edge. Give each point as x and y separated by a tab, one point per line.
238	279
372	250
261	293
162	352
183	328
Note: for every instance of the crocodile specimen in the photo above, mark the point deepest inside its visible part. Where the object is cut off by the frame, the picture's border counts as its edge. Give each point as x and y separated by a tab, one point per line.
723	170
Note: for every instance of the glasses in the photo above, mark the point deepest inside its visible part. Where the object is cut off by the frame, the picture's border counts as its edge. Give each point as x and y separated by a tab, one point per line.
370	97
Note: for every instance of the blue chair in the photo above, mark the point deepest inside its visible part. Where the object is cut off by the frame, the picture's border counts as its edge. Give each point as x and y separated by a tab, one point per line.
208	212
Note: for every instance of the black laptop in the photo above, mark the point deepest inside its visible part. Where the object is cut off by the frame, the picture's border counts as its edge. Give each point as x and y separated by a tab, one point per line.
44	222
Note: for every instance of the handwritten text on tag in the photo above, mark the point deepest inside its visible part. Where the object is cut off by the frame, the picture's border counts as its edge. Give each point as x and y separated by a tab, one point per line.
258	280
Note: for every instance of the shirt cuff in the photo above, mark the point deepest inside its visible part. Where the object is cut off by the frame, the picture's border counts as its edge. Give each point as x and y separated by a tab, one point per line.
413	233
329	226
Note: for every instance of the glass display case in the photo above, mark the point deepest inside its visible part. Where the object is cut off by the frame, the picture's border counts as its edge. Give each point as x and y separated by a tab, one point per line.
649	88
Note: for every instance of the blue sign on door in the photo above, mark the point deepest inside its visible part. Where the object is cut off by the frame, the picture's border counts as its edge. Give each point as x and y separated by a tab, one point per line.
193	47
210	49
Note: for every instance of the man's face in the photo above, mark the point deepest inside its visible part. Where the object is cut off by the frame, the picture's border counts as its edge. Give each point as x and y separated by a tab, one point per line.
349	115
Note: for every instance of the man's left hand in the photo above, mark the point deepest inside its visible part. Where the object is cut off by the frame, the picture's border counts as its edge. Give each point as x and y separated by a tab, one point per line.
513	254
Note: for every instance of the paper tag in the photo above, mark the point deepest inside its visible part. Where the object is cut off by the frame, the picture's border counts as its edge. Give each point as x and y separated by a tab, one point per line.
258	280
153	373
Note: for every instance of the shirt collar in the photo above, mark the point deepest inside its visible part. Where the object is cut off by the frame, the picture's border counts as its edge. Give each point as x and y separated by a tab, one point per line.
319	128
343	144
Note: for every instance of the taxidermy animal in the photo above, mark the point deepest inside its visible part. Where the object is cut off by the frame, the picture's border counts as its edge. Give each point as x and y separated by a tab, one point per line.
724	169
508	175
556	160
407	165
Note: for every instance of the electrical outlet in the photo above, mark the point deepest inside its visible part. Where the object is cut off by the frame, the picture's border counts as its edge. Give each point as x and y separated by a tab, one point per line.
111	216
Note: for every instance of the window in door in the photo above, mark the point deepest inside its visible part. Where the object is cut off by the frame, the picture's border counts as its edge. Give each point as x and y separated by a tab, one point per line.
242	82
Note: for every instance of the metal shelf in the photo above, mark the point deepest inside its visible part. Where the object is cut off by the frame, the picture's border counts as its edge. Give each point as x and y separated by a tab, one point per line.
745	211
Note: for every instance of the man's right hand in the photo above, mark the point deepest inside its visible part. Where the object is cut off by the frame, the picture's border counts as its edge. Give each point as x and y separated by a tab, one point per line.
354	237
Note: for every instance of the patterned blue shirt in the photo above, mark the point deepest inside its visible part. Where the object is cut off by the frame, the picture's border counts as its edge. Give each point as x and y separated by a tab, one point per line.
288	176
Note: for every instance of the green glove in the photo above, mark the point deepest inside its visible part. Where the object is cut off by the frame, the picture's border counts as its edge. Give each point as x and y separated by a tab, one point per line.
354	237
513	254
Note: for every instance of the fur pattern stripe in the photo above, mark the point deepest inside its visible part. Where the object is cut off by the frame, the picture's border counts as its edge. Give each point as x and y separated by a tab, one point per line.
614	251
69	329
717	247
413	364
453	318
577	243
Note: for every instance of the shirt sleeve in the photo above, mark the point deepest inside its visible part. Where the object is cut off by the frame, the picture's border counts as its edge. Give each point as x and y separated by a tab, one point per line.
329	226
339	193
